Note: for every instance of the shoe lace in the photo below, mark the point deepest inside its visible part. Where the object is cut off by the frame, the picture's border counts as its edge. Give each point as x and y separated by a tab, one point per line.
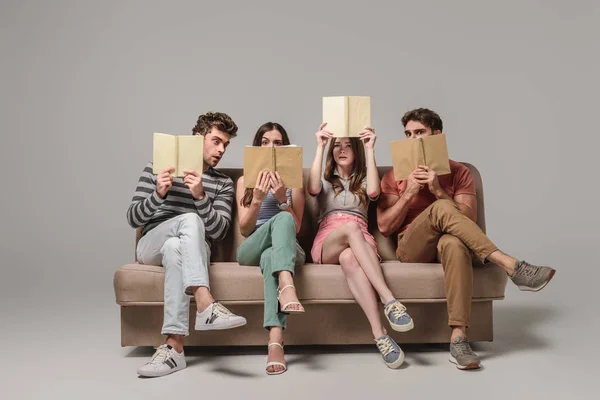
385	346
220	310
463	348
528	270
161	354
398	310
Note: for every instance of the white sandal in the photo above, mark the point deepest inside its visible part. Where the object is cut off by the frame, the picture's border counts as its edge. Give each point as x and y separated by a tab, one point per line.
285	307
275	363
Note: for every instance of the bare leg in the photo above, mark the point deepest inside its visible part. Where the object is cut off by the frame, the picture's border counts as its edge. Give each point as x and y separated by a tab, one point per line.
362	291
350	236
289	294
504	261
203	297
176	342
275	352
458	331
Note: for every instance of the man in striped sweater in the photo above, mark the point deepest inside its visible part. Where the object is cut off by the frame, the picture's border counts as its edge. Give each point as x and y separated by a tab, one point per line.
180	219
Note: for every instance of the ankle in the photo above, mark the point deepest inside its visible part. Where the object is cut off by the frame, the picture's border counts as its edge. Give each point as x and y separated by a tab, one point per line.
203	306
176	342
289	293
286	282
510	266
285	278
203	298
458	332
513	267
386	300
276	335
377	333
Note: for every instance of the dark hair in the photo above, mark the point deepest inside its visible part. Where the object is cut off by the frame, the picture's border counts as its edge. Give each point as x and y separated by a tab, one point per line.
359	169
221	121
425	116
264	128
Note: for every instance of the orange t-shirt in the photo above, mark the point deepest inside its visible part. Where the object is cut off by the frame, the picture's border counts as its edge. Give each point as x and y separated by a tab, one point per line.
458	181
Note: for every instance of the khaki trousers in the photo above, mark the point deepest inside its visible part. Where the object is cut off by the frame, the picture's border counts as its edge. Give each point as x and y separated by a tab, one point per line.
443	233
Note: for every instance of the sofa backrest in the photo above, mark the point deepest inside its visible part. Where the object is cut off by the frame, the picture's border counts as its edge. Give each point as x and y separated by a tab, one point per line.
225	250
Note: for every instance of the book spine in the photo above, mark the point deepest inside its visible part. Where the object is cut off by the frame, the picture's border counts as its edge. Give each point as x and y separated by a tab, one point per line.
347	112
178	171
423	159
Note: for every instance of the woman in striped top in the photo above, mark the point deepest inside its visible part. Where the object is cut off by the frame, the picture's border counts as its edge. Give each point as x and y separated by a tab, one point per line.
270	217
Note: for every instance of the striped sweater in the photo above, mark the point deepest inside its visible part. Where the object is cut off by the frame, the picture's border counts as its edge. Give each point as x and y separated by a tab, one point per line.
147	209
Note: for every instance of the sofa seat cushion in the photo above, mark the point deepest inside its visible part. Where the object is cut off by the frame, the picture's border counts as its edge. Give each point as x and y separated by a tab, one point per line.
137	284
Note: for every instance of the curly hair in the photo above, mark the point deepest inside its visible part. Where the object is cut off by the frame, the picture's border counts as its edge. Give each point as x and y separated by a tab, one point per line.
425	116
221	121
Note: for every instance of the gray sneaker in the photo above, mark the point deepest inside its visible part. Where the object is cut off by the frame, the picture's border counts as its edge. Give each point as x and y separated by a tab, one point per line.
462	355
399	320
392	354
531	277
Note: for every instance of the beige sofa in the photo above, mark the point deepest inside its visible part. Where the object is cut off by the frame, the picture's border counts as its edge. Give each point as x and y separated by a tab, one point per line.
332	316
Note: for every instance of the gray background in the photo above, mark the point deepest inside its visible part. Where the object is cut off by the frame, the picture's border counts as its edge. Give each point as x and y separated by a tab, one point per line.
84	84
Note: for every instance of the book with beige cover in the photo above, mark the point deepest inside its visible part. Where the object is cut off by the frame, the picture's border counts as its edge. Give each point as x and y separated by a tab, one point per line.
347	116
408	154
287	160
181	152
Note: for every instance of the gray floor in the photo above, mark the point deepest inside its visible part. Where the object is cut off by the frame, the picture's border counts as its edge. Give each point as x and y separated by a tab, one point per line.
544	348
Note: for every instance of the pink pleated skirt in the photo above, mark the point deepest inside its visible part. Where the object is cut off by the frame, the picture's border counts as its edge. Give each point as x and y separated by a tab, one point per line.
330	224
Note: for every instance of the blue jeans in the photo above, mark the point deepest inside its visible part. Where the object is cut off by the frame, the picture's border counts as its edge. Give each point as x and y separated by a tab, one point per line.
179	246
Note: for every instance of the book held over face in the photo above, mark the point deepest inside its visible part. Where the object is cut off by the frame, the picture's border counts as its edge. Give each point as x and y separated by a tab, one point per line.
286	160
347	116
408	154
181	152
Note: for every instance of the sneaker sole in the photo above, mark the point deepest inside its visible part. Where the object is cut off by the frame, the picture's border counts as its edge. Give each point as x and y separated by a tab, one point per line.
403	328
204	327
537	289
473	365
397	363
159	374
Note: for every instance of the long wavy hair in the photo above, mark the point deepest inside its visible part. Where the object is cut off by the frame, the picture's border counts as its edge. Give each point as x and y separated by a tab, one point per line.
359	170
264	128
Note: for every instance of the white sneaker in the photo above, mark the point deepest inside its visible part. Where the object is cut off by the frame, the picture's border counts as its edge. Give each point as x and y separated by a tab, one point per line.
216	316
165	361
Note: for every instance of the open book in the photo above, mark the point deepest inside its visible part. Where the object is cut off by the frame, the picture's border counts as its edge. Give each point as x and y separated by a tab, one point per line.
287	160
347	116
181	152
408	154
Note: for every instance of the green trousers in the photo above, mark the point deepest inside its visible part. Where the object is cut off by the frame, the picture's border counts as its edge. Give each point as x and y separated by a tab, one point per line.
274	248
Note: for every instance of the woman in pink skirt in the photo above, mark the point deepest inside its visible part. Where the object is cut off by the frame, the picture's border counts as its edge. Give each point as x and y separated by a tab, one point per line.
350	181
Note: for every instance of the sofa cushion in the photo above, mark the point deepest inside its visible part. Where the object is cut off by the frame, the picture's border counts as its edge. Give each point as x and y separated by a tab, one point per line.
137	284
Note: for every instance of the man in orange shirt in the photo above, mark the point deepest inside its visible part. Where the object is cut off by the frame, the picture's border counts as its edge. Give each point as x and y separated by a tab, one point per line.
435	218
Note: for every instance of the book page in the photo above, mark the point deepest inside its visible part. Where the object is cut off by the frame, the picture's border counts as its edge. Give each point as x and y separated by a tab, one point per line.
436	154
164	152
256	159
406	157
191	149
359	114
288	162
335	113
